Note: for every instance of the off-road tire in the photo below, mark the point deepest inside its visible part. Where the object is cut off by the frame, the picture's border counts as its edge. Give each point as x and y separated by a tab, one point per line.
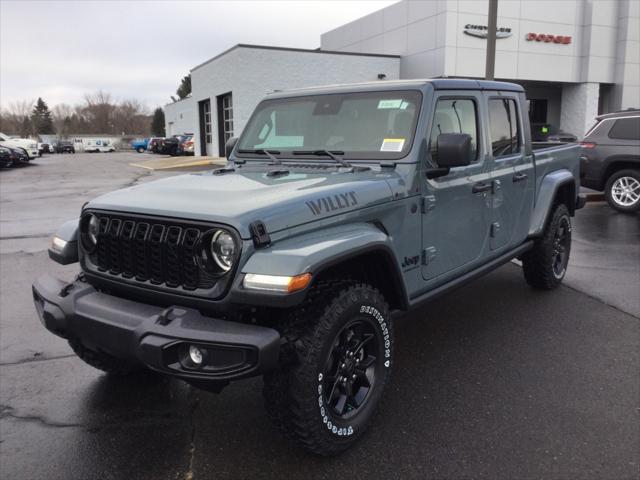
293	394
632	176
538	263
103	361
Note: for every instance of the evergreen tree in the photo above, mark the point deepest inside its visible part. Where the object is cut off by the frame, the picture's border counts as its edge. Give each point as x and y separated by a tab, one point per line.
157	123
185	87
41	118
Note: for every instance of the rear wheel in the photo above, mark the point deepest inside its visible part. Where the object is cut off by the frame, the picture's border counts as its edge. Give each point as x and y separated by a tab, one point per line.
545	265
334	370
623	190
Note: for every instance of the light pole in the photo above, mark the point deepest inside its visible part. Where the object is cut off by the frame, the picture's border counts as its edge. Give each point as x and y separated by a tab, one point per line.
491	40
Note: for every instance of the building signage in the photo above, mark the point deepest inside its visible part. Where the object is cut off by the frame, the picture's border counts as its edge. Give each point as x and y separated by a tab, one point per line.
482	31
548	38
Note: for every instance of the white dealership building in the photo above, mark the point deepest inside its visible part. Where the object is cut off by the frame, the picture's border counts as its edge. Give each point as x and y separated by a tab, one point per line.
576	59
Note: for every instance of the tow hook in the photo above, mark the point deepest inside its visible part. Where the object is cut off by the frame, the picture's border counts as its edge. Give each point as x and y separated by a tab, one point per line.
69	286
169	314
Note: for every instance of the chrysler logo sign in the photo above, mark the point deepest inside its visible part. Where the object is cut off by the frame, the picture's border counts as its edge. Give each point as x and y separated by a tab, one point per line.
482	31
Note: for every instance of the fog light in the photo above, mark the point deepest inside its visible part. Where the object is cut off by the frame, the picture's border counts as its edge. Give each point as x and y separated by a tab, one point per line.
196	355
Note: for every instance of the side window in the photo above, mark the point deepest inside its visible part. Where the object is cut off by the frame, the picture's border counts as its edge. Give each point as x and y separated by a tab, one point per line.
504	127
455	115
626	129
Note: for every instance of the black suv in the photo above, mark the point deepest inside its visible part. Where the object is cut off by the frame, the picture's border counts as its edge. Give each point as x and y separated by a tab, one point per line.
65	147
171	145
611	159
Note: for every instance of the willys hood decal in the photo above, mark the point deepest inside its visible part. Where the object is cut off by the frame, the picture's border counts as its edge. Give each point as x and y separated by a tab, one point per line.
240	198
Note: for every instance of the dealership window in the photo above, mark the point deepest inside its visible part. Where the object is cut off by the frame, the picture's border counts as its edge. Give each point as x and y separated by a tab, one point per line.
455	115
227	116
626	129
207	121
504	127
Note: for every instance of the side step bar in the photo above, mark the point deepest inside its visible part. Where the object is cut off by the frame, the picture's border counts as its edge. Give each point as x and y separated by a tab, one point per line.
436	292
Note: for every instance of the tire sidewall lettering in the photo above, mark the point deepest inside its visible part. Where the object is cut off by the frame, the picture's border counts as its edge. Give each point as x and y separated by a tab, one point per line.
348	430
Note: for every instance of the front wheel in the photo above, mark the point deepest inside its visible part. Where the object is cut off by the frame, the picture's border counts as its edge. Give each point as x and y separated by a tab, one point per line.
623	190
140	149
335	369
545	265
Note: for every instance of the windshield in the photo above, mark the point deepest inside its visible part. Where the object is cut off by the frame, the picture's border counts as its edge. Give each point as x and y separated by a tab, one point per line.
365	125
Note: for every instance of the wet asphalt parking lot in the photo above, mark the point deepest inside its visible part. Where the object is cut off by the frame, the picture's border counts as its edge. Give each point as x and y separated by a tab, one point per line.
493	381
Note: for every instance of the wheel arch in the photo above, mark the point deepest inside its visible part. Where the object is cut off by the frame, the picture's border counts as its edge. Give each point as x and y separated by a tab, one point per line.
617	163
374	265
362	252
556	187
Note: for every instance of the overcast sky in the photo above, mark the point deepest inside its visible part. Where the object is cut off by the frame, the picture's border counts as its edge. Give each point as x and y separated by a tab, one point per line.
60	50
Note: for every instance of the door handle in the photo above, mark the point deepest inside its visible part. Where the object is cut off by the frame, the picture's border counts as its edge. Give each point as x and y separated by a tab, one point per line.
481	187
519	177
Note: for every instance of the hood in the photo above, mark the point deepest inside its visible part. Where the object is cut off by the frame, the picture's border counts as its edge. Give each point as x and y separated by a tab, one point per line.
242	197
20	142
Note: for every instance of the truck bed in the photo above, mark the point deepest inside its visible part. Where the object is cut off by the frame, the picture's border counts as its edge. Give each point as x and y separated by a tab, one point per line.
545	145
552	156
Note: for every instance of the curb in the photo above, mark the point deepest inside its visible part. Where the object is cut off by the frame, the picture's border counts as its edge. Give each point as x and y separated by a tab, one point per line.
595	197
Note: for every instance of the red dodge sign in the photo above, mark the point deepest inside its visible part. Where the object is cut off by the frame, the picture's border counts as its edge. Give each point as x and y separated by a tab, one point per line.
548	38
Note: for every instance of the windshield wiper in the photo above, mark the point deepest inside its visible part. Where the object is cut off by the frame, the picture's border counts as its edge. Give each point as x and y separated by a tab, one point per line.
269	153
334	155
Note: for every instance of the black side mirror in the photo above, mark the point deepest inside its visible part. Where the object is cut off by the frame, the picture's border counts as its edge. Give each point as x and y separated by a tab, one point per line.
453	150
228	147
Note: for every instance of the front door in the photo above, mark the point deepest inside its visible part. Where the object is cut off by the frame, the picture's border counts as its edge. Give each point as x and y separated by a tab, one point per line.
455	227
512	172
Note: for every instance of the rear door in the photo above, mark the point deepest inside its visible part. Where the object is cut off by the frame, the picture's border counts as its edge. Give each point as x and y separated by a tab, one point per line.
512	173
456	220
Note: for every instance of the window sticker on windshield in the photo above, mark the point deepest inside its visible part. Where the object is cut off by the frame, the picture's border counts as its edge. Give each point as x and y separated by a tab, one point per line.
389	104
404	105
392	145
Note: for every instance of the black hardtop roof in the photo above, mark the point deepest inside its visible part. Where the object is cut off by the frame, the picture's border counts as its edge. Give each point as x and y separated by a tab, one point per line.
382	85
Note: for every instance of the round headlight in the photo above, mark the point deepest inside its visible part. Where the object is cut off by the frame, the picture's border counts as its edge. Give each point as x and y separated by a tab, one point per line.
93	228
223	249
89	230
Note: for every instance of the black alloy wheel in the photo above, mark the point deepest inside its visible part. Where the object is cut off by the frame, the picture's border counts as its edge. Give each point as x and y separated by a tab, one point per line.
561	243
351	368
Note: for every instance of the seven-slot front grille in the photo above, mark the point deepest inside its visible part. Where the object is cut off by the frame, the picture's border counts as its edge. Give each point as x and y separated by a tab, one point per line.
150	250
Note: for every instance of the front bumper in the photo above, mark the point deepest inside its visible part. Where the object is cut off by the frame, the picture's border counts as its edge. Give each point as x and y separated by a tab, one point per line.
154	336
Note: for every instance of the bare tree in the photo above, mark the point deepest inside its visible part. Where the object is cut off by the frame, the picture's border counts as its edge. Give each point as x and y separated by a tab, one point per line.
62	115
99	113
21	108
99	109
15	118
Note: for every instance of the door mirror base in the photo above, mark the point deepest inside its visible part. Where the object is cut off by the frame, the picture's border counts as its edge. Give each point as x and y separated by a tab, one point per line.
228	148
432	173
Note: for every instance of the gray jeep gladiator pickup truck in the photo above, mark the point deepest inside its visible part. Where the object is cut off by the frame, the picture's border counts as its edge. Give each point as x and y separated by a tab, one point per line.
338	207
